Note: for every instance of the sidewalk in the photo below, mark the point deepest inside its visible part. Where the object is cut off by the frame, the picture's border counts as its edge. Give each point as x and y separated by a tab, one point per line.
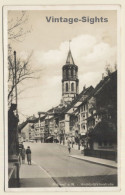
35	176
105	162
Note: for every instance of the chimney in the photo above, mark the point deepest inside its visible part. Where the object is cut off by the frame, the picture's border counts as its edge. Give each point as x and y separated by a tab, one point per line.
84	87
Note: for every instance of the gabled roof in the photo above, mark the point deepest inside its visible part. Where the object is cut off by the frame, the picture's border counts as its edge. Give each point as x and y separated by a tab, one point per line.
22	125
79	99
99	87
70	60
104	82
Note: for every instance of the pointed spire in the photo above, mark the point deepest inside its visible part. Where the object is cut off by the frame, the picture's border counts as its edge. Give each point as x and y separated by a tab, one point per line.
69	57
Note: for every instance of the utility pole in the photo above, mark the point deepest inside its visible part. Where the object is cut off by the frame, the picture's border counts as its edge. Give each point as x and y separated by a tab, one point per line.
39	126
15	81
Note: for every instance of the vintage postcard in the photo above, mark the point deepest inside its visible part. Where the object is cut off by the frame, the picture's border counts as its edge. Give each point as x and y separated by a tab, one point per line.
61	96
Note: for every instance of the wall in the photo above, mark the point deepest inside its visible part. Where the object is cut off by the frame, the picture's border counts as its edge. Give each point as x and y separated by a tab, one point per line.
108	147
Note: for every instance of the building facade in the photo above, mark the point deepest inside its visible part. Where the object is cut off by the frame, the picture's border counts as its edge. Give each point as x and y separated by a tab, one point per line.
102	119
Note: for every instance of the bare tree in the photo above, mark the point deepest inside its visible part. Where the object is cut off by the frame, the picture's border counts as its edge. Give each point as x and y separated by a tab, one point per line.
23	71
16	30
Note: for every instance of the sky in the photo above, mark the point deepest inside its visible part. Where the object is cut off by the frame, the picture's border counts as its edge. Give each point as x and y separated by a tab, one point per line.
92	46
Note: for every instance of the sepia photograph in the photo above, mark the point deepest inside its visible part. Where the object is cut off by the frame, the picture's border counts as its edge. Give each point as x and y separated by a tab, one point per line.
61	95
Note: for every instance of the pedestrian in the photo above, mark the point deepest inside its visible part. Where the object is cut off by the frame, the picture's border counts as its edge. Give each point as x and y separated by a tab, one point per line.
69	147
72	141
28	153
23	154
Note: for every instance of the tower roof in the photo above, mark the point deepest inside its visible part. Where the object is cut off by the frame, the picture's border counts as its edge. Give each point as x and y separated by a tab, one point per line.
69	58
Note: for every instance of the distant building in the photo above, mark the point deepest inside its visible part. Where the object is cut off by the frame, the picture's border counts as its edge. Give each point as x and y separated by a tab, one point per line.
25	131
31	131
69	118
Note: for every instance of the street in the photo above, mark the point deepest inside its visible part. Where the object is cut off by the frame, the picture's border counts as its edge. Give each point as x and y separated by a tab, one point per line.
53	167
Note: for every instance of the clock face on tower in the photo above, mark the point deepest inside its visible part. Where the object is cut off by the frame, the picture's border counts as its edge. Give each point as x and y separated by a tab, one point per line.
70	82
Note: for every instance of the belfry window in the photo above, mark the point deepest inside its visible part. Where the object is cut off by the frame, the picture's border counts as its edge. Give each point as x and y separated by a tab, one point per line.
72	86
74	72
71	72
66	74
66	86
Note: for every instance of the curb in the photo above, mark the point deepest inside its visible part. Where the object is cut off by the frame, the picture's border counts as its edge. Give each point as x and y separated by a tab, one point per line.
90	161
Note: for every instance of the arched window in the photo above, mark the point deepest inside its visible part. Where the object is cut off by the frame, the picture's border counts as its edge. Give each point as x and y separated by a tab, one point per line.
66	86
67	74
72	72
72	86
64	74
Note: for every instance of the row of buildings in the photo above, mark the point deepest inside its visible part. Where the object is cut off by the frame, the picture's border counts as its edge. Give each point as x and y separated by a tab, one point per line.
89	117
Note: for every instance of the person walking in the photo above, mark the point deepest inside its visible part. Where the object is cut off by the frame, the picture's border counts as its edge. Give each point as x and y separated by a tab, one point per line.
72	141
28	153
23	154
69	147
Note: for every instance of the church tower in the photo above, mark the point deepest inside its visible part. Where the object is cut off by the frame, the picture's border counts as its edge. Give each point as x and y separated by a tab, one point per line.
70	82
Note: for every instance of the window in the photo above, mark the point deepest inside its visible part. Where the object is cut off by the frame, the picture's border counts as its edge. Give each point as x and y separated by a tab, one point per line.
67	74
66	86
72	87
81	108
71	72
105	143
74	72
64	74
100	143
